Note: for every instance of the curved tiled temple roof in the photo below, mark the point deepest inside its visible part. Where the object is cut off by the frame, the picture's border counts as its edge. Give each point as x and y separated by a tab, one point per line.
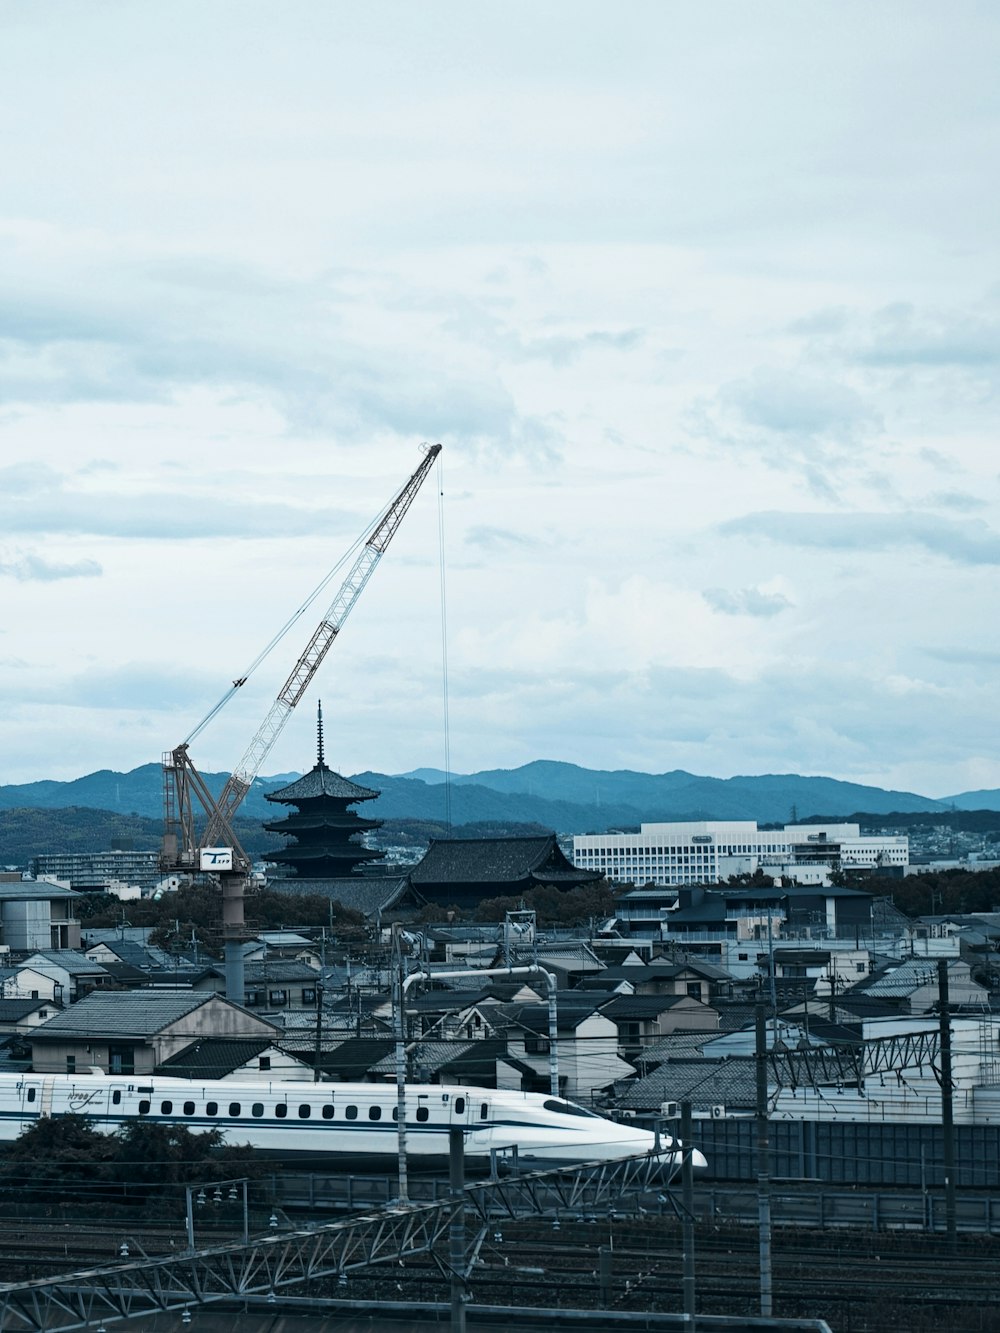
321	781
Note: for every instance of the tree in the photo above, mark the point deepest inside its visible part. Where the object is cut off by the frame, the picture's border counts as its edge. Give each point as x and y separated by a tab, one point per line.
61	1163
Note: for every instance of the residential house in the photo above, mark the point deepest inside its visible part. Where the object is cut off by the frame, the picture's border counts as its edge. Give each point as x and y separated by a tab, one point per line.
75	973
912	986
35	914
231	1059
642	1020
19	982
20	1016
586	1048
132	1032
275	987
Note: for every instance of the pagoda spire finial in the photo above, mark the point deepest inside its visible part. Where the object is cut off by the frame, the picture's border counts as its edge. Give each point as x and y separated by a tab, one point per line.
319	734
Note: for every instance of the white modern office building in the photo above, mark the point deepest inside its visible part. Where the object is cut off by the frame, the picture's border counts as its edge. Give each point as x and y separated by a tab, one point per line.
710	851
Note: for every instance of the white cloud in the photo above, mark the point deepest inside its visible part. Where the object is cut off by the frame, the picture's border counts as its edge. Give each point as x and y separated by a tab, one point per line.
746	601
967	542
28	566
698	301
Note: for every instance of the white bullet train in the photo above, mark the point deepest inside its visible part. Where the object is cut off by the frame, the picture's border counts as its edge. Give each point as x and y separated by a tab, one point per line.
348	1124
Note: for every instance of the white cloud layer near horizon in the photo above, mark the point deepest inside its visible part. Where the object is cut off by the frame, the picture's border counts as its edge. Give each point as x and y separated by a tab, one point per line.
702	302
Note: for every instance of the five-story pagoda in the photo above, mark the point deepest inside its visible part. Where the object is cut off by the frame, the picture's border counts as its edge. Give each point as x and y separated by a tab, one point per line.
326	831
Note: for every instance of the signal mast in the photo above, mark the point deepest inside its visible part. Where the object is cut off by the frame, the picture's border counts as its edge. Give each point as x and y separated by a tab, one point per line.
216	850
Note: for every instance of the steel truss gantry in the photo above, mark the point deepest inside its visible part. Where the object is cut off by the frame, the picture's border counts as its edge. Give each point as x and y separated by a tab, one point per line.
276	1263
852	1063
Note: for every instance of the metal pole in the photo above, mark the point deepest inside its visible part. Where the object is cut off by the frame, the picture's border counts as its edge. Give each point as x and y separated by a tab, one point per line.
400	989
604	1275
456	1228
319	1030
763	1166
947	1107
553	1043
190	1218
687	1202
532	970
246	1212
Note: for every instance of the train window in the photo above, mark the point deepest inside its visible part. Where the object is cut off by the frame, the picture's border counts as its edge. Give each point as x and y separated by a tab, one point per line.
144	1107
351	1113
234	1109
374	1113
459	1105
116	1097
211	1108
305	1111
257	1109
31	1094
423	1114
484	1111
327	1112
281	1110
189	1108
567	1108
166	1108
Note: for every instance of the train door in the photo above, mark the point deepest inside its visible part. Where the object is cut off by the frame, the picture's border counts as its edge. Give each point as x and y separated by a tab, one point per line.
29	1096
460	1112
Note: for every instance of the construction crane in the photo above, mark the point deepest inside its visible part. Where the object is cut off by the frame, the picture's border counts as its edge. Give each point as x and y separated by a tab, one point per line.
217	849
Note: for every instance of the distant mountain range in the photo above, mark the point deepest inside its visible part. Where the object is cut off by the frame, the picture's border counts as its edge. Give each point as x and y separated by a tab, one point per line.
562	796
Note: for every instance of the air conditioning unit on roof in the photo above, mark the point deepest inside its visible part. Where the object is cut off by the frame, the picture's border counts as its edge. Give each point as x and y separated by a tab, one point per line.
718	1112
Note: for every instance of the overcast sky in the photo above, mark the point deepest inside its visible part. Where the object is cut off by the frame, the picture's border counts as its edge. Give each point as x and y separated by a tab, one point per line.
702	300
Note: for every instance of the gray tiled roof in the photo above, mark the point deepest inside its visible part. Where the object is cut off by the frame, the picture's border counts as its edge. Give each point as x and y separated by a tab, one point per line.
321	781
493	861
643	1006
430	1055
12	1011
145	956
356	1056
367	894
902	980
675	1046
76	964
705	1083
213	1057
280	969
30	889
120	1013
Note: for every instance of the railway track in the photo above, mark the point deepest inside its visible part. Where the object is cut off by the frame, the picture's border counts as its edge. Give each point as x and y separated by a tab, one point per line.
857	1281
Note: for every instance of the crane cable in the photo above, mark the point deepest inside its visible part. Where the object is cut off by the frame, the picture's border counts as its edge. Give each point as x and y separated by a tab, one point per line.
444	651
288	625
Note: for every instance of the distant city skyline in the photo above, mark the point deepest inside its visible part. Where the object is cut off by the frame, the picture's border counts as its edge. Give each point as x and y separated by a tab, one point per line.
703	304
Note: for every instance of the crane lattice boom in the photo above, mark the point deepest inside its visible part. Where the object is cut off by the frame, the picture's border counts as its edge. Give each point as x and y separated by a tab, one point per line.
180	776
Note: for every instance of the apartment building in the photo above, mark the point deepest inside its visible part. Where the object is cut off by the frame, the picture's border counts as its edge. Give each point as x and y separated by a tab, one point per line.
712	851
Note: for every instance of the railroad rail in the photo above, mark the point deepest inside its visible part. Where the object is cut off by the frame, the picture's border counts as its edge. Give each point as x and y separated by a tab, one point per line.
276	1263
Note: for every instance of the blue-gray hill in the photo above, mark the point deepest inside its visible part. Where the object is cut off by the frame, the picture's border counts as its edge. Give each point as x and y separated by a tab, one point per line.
562	796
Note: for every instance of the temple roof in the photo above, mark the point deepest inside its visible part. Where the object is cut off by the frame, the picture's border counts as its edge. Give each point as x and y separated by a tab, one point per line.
495	861
321	781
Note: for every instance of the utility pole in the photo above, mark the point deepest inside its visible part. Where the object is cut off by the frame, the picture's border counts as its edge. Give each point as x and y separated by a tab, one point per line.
763	1165
319	1029
687	1202
456	1227
947	1107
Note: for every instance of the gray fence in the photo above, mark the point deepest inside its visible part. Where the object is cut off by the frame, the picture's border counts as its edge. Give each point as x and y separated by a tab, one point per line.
852	1153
